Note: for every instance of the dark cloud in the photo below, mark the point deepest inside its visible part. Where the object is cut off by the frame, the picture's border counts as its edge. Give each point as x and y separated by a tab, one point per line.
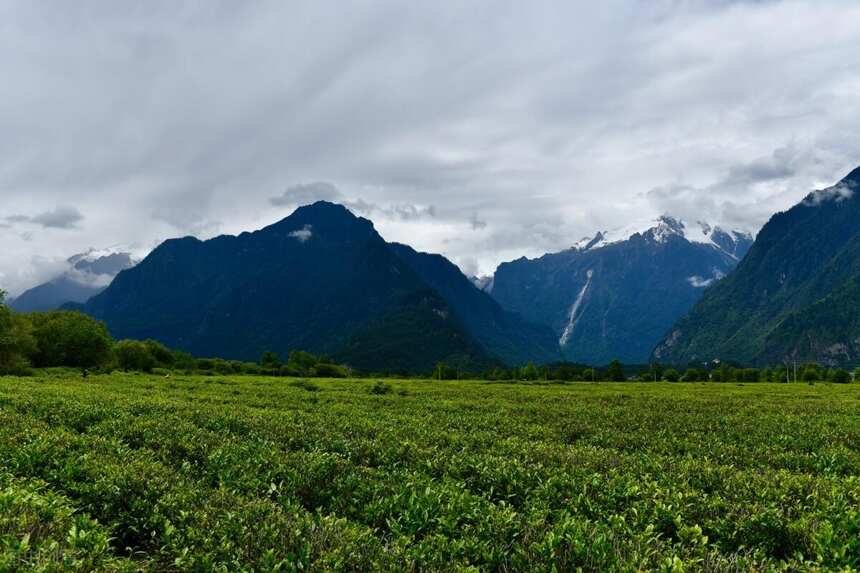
62	217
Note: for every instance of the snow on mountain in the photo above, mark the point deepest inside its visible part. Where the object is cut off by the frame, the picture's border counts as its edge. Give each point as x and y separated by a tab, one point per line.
659	230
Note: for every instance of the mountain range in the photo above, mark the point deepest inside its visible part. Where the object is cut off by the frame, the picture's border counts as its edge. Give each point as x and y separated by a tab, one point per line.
321	280
324	280
796	295
615	294
87	275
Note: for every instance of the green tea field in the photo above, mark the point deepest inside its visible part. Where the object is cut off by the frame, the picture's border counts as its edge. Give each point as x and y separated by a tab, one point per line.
136	472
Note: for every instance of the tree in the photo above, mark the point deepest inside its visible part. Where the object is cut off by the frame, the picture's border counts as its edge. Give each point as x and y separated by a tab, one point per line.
302	361
615	372
811	374
529	372
159	352
671	375
16	340
691	375
840	376
324	370
69	338
589	375
444	372
750	375
134	355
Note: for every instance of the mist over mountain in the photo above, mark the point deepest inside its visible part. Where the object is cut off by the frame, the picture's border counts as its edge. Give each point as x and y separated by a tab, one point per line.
613	295
87	275
794	297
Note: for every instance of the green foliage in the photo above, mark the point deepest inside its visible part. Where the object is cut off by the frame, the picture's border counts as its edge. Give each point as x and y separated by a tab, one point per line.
134	355
270	361
750	375
17	343
68	338
131	472
324	370
163	356
529	372
671	375
380	388
840	376
615	372
692	375
302	362
811	374
444	372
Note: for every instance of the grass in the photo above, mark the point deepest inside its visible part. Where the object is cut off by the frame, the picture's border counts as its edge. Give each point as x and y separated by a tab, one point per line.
136	472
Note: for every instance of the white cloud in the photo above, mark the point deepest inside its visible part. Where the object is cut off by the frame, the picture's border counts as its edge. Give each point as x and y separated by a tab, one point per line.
303	234
837	193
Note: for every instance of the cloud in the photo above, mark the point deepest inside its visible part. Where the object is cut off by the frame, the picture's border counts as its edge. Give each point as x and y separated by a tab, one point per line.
422	115
399	212
303	234
475	223
62	217
837	193
306	193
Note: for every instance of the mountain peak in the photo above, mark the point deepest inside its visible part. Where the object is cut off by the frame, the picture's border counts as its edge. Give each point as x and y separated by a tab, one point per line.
323	218
659	230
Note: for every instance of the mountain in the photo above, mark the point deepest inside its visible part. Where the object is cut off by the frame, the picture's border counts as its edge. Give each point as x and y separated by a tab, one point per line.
795	296
321	280
88	274
502	333
614	295
483	283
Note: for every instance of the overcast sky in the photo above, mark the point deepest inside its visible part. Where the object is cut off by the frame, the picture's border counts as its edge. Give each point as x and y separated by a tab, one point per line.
482	130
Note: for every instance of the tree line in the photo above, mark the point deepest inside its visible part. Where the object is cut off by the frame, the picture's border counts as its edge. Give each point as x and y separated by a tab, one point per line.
71	339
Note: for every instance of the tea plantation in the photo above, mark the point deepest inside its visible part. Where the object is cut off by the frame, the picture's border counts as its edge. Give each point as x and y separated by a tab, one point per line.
135	472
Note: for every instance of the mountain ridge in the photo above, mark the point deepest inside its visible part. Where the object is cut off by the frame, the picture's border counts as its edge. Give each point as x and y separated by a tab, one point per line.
765	310
321	279
610	298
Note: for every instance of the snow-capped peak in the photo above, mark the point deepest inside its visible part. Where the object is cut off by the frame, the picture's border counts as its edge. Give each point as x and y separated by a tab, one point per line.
661	229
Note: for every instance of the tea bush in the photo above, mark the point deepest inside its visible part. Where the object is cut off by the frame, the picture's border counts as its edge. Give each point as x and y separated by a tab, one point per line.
199	473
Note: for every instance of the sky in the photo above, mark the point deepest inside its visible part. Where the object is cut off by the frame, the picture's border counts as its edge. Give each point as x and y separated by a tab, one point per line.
485	131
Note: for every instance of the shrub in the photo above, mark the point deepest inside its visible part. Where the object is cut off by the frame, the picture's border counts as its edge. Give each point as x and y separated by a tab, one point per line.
671	375
16	341
305	384
162	355
134	355
692	375
330	371
840	376
287	370
615	372
302	361
380	388
67	338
